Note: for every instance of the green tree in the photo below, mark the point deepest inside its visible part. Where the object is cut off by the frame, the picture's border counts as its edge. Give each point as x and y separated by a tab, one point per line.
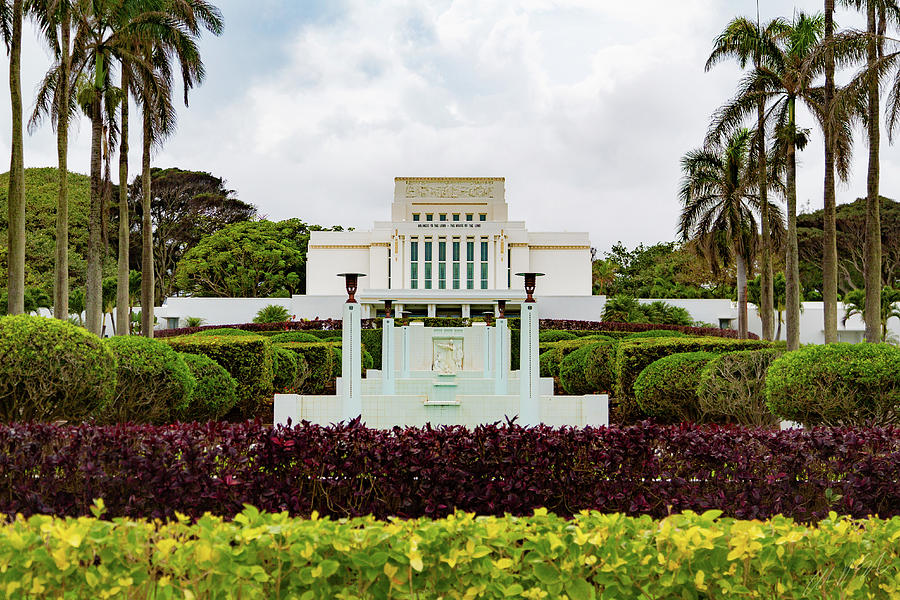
603	273
753	295
12	34
855	304
749	42
273	313
720	205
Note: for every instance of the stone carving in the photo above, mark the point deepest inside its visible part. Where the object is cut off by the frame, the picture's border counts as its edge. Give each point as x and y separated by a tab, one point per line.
448	356
439	189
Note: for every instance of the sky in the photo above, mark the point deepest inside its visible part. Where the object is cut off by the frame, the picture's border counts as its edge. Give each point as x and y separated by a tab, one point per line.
311	108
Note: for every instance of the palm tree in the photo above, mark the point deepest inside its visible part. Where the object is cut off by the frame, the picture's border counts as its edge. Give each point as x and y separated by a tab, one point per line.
749	42
856	303
783	78
720	204
191	16
829	229
11	19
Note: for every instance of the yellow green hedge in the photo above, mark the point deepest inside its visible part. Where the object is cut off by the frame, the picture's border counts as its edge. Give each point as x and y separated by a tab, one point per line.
594	555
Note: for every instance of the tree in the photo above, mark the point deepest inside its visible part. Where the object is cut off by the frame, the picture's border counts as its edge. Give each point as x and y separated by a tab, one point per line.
753	295
603	273
622	308
249	259
856	302
12	34
186	206
272	313
750	42
720	205
190	17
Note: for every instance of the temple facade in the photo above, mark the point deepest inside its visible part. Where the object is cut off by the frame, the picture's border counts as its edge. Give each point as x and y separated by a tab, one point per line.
449	249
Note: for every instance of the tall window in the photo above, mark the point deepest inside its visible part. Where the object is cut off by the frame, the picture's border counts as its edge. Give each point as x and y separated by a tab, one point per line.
456	216
469	216
482	217
442	264
428	264
456	263
443	216
484	265
470	265
415	216
414	265
429	217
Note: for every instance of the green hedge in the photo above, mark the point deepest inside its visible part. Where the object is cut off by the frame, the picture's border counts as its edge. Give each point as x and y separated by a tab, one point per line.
320	358
52	370
633	356
666	390
837	384
573	371
260	556
732	388
246	358
224	332
294	336
216	391
655	333
153	382
555	335
284	366
600	366
371	341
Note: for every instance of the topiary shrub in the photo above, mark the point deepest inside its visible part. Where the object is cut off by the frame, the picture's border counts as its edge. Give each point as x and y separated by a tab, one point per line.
284	366
732	388
548	364
600	366
655	333
224	331
294	336
153	382
573	369
667	389
216	391
320	360
246	358
836	384
554	335
52	370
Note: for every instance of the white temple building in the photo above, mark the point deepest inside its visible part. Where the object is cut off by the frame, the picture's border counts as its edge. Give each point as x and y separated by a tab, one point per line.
448	250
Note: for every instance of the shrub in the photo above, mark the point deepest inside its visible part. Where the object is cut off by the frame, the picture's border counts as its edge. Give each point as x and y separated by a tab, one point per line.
153	382
51	370
284	366
573	371
548	364
320	360
600	366
732	388
194	321
216	391
556	336
559	350
654	333
246	358
224	331
504	556
847	384
294	336
666	389
371	342
346	470
273	313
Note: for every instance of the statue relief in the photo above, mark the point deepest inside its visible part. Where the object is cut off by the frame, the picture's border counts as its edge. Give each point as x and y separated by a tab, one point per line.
436	189
448	356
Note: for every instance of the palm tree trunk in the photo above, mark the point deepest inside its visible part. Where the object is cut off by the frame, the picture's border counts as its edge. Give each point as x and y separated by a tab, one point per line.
16	192
742	295
829	252
147	279
872	265
122	284
766	276
93	297
61	266
778	334
791	266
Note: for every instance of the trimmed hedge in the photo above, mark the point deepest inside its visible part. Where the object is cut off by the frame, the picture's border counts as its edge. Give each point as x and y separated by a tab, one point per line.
600	366
562	348
633	356
348	470
667	389
593	555
320	358
224	331
246	358
285	366
655	333
294	336
573	371
553	335
153	382
732	388
832	384
52	370
216	391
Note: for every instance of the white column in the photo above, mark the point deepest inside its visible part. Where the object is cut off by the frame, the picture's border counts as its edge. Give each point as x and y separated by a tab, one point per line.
529	367
405	265
492	263
487	351
404	352
432	310
501	357
351	365
388	375
466	310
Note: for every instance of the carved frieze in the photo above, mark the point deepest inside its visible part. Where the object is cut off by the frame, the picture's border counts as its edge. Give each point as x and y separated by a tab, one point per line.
448	189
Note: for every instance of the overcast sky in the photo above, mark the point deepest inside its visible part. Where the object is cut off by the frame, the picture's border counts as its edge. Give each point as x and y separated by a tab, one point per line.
311	108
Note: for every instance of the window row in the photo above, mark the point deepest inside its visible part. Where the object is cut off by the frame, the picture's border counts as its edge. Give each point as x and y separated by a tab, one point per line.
454	216
429	281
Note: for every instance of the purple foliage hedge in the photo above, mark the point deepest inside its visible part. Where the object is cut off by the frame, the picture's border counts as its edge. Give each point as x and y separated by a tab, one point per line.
153	471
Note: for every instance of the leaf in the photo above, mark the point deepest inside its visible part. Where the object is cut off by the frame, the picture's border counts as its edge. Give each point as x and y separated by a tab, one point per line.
580	589
546	573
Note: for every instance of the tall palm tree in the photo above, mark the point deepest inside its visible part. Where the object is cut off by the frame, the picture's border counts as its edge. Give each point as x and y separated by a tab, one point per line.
855	302
191	17
748	42
720	204
12	17
829	228
784	78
